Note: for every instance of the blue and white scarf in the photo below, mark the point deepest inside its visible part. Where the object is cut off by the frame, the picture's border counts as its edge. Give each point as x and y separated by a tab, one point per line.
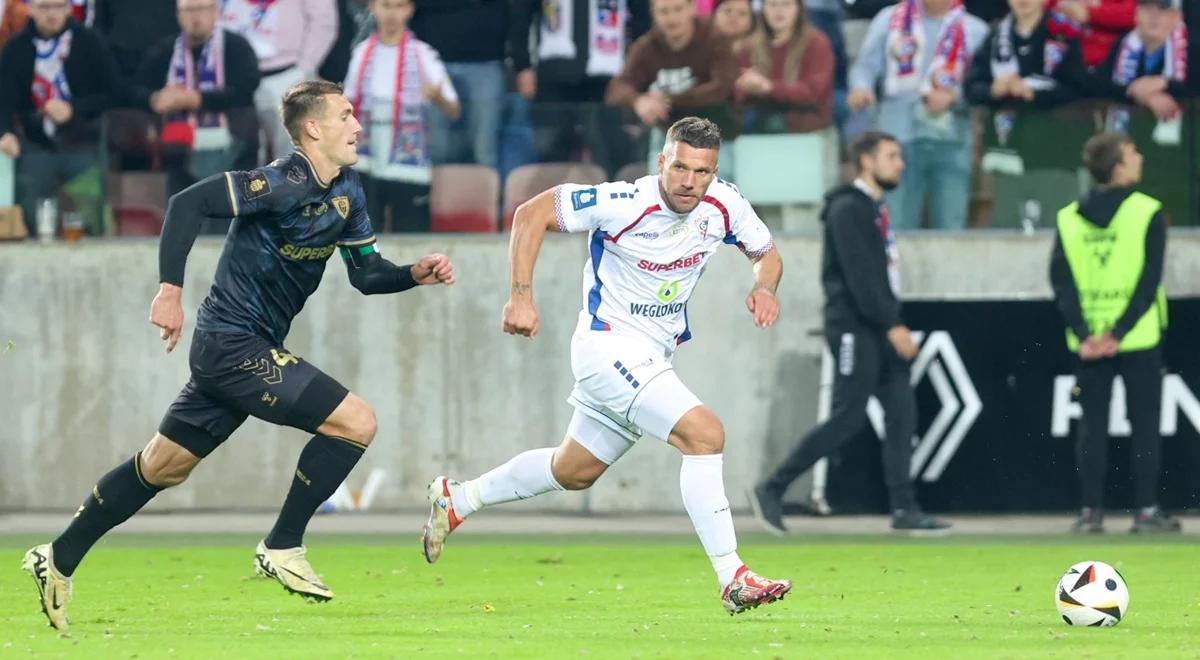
50	75
208	77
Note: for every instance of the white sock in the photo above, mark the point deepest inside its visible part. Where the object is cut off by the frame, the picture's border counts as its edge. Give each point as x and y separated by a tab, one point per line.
703	490
524	476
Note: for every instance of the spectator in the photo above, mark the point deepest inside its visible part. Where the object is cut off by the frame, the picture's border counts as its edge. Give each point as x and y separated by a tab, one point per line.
1031	56
1106	271
681	67
827	16
864	329
917	53
201	83
472	37
132	27
787	75
56	79
394	78
14	14
1148	66
735	20
1103	22
291	38
578	51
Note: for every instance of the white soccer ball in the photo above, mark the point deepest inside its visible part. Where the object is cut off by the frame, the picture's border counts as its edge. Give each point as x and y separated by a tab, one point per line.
1092	593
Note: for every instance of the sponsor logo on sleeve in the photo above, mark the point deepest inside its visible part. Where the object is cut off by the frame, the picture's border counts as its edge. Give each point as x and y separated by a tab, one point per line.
256	185
582	199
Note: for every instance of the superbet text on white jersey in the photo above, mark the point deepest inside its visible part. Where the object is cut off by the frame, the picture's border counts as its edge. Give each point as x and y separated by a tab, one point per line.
645	259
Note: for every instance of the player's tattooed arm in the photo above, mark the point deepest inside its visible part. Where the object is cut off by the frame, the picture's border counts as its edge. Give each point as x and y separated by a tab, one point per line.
530	224
762	303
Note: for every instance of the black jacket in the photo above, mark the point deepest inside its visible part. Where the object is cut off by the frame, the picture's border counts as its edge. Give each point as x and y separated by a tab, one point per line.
91	74
527	15
464	30
1098	207
132	27
1192	15
1070	74
241	74
1102	85
854	263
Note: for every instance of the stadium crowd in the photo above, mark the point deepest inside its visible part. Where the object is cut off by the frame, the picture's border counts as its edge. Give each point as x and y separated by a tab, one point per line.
103	100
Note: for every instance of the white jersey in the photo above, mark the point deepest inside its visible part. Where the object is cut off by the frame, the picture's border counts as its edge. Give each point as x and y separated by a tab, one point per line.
645	259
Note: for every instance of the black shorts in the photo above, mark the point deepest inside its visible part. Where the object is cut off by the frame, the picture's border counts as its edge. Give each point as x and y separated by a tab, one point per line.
234	376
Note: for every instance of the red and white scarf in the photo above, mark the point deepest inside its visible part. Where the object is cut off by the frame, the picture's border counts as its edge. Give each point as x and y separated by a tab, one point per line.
50	75
906	43
410	140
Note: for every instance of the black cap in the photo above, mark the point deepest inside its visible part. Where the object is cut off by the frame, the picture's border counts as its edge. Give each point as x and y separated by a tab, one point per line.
1162	4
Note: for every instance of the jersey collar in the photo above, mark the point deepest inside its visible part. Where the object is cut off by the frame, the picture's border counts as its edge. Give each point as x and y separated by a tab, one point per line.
311	168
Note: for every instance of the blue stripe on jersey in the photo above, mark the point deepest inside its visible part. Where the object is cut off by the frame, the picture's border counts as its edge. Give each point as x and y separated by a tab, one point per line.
687	329
597	252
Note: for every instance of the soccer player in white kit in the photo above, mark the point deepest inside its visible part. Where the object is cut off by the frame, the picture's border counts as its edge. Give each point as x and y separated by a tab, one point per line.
649	241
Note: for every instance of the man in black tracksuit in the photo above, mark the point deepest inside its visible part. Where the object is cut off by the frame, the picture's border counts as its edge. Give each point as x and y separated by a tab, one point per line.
1106	272
869	341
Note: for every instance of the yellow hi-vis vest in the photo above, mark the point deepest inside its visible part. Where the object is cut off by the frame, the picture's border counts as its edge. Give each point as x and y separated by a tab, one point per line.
1106	263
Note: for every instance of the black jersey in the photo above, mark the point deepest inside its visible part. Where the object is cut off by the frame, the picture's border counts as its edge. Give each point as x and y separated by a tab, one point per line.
286	225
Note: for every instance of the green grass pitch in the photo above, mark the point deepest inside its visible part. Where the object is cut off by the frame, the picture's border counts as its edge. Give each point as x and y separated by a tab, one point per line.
180	596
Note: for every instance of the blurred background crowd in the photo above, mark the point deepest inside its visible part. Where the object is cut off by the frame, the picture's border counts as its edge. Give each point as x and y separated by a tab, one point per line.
469	107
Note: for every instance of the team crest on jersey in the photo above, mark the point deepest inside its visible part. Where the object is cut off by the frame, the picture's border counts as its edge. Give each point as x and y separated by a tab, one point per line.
582	199
342	204
703	228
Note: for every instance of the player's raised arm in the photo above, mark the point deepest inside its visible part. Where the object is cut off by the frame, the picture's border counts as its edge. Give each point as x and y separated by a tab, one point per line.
530	223
186	210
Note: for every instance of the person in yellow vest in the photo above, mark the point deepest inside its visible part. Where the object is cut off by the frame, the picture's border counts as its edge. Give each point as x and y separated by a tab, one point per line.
1106	271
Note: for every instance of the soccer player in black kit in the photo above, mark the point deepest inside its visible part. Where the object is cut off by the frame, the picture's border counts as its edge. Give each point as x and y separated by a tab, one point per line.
289	218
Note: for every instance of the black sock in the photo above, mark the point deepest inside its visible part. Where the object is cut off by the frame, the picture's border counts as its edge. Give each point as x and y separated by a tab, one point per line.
323	466
117	496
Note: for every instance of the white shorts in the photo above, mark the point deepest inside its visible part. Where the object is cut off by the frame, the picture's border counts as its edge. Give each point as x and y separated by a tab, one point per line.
624	387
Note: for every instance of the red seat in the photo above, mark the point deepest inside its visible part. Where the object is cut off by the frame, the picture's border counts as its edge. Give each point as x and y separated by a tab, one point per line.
527	181
464	198
138	221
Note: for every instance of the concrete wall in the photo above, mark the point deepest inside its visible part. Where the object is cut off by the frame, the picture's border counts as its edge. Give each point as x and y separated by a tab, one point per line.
86	380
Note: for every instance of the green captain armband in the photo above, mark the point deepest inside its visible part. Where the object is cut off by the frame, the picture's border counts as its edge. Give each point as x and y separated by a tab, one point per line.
356	255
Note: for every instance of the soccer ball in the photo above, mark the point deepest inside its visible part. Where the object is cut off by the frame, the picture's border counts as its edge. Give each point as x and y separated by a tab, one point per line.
1092	593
